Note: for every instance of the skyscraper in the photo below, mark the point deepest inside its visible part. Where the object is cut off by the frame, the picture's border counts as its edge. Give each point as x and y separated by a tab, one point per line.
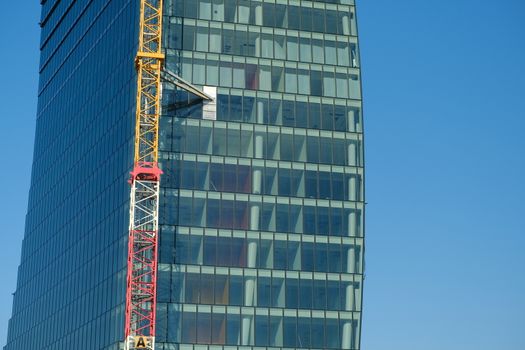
261	201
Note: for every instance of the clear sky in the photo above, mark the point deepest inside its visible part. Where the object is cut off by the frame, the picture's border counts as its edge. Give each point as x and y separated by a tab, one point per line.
445	123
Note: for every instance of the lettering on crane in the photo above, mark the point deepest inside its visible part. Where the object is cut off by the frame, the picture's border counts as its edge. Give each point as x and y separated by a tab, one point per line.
143	342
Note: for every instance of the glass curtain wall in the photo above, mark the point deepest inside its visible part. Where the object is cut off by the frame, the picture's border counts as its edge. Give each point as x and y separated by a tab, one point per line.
72	276
262	204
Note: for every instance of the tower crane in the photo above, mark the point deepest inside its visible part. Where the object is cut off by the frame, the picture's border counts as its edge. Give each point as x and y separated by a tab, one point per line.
141	280
145	183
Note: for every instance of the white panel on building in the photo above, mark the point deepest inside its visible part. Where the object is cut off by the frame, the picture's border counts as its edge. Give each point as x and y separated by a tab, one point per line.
209	109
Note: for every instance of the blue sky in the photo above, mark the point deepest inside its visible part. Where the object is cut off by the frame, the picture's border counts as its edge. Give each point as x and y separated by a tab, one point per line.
444	120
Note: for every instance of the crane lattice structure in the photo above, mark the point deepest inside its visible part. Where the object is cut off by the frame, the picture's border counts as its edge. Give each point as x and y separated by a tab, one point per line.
145	183
145	179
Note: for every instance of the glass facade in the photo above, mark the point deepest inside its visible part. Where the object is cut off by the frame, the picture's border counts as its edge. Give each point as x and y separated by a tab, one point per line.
72	276
262	204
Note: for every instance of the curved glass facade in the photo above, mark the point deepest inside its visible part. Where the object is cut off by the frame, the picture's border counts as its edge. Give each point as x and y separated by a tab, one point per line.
262	199
72	276
262	203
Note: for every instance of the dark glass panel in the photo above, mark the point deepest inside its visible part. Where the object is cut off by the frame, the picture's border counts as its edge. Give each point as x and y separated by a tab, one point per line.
307	256
203	328
261	330
334	258
333	296
264	292
279	255
306	18
210	250
233	329
289	332
207	289
319	294
218	329
189	330
192	289
303	332
236	290
221	289
305	293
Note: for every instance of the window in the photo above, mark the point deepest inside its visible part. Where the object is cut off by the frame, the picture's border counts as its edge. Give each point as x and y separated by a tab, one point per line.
236	290
318	51
189	331
305	49
316	84
276	331
292	48
305	294
321	257
261	330
289	332
201	39
264	291
303	332
319	294
268	15
230	10
233	328
306	18
332	295
278	292
244	11
291	80
221	289
203	328
218	327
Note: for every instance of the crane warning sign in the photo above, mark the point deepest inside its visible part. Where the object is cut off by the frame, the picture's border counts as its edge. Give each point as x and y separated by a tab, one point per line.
143	342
